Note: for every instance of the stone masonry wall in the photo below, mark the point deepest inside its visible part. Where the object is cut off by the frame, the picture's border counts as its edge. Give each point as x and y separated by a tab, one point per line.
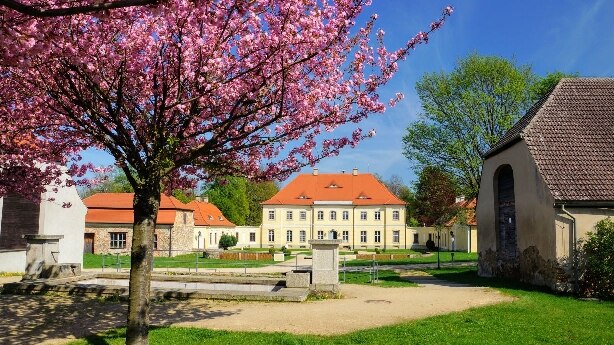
530	267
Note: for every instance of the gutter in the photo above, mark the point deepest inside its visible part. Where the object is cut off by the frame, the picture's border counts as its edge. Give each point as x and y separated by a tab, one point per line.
573	250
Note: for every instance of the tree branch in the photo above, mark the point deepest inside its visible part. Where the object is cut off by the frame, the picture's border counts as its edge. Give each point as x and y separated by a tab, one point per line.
33	11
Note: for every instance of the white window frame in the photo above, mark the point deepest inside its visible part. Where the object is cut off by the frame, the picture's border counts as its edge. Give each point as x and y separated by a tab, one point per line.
378	215
363	236
303	215
289	236
303	236
271	235
396	236
377	238
320	215
252	237
333	215
117	240
363	215
271	215
289	215
396	215
346	215
345	235
320	234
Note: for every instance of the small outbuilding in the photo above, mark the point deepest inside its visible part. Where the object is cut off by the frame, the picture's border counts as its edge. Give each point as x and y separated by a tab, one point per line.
110	218
547	182
20	217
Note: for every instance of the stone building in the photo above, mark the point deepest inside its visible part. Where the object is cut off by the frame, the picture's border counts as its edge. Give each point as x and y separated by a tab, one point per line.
19	216
355	208
547	182
109	219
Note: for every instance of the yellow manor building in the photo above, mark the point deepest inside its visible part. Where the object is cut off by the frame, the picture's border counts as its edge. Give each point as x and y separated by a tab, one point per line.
355	208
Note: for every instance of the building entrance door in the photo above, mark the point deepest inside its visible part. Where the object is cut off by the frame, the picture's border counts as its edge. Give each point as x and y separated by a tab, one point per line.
88	244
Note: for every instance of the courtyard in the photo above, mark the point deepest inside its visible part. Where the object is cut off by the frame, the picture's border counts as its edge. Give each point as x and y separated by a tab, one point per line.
58	318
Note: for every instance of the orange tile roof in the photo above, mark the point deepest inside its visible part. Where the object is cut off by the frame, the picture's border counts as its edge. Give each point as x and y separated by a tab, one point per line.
116	208
469	206
207	214
361	189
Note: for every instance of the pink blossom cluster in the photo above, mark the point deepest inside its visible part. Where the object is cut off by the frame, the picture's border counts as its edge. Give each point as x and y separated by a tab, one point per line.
189	89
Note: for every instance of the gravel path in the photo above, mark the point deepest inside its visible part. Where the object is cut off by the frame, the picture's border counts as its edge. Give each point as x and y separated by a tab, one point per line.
52	319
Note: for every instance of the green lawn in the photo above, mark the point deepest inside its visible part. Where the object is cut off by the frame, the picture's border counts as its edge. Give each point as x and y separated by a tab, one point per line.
179	261
386	278
443	256
391	251
536	317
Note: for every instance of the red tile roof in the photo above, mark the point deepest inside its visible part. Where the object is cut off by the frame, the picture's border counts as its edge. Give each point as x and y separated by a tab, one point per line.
207	214
361	189
570	135
116	208
469	207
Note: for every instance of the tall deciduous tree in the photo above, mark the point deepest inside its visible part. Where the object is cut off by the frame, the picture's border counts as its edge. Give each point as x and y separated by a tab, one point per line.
258	192
189	90
435	193
544	85
465	112
230	196
396	186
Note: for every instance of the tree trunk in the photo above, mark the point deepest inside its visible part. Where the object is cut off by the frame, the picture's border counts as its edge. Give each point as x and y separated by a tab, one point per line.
146	206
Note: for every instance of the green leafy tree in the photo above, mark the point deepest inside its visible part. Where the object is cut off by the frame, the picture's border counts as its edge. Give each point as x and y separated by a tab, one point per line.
544	85
397	187
435	193
258	192
465	112
596	262
230	196
183	195
227	241
114	182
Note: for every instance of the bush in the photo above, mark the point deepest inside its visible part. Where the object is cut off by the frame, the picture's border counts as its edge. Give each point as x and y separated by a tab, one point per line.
355	251
285	250
376	250
227	241
430	245
596	262
271	250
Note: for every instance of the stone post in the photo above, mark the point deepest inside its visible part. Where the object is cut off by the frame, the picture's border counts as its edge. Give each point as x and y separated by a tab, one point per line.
325	265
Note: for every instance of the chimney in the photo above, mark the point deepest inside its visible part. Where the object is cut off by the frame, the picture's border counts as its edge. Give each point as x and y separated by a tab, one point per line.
202	198
460	198
355	172
315	171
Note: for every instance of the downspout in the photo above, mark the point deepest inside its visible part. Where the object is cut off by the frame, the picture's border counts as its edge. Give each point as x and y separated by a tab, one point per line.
385	229
573	250
353	228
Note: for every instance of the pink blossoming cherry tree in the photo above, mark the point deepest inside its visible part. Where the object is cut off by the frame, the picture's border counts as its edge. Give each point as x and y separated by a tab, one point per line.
183	91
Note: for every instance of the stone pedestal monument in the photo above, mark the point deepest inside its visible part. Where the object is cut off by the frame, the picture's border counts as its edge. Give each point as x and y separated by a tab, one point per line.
42	252
325	265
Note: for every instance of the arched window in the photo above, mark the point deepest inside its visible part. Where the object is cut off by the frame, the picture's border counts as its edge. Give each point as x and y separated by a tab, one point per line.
505	212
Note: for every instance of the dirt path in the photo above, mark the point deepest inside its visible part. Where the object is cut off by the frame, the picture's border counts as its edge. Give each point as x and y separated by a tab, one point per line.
54	319
362	307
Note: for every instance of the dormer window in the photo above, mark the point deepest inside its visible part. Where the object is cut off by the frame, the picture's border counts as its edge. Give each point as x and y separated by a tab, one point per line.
362	196
303	196
333	184
210	217
221	218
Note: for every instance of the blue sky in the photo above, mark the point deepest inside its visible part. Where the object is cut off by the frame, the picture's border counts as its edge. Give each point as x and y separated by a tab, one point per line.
564	35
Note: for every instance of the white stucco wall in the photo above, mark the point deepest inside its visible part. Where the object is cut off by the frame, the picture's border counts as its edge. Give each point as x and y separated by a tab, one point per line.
12	261
68	221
